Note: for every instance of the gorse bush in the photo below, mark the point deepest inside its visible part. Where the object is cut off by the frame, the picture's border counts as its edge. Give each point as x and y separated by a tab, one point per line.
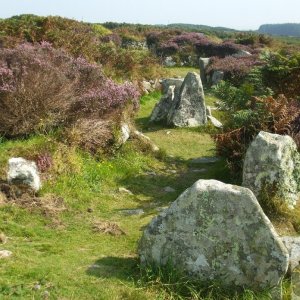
42	88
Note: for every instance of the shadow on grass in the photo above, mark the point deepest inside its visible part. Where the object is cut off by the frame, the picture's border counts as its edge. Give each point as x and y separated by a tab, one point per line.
149	187
122	268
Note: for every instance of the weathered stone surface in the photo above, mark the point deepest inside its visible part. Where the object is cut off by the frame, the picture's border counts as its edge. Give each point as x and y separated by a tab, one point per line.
292	243
147	86
166	83
208	111
217	231
182	103
145	139
25	172
203	64
273	160
170	91
125	133
124	190
169	61
216	77
189	109
215	121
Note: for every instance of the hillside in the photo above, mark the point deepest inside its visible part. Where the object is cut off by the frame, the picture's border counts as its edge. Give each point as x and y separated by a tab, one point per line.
288	29
115	121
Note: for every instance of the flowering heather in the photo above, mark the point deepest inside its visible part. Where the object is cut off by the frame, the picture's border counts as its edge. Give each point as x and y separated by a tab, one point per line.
233	66
107	96
207	48
42	87
188	38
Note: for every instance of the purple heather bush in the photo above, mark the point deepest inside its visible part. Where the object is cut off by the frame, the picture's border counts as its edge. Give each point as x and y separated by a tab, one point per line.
42	88
234	68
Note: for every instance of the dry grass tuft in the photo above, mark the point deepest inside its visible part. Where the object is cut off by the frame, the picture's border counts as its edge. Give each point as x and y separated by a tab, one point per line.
107	227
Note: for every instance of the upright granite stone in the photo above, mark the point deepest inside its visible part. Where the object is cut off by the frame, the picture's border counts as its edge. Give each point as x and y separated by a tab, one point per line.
170	91
182	103
272	160
203	64
189	109
217	231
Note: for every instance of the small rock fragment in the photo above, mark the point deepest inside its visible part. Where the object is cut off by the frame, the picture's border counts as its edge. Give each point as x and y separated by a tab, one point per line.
169	189
125	191
131	212
5	253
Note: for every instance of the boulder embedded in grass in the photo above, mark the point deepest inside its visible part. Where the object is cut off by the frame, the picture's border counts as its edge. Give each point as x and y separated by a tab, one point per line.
273	161
23	172
218	232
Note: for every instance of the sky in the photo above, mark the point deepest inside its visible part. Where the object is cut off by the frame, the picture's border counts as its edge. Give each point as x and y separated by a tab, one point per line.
237	14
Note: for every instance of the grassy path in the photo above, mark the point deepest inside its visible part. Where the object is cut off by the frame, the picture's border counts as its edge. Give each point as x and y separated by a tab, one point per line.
60	255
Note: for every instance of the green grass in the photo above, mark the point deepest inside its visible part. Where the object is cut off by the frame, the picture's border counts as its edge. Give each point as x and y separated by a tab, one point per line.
62	253
179	71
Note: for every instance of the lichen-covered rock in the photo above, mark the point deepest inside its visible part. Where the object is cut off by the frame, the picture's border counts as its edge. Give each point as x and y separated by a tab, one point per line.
272	160
292	243
24	172
189	109
182	103
170	91
217	231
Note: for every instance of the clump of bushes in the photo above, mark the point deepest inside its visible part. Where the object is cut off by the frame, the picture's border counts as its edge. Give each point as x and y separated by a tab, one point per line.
90	41
42	88
250	115
267	98
281	72
235	68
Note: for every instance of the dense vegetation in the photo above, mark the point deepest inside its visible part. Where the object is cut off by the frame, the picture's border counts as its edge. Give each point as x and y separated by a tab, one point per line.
66	88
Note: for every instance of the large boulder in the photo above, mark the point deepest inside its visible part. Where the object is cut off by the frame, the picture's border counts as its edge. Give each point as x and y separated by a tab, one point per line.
23	172
217	231
272	161
182	103
189	110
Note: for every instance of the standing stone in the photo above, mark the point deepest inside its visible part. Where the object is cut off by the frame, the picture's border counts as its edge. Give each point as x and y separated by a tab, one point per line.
24	172
166	83
203	64
216	77
170	91
189	109
125	133
182	103
217	231
272	160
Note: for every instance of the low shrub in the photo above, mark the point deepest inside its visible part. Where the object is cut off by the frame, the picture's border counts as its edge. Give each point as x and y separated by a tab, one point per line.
42	88
275	115
235	68
281	72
